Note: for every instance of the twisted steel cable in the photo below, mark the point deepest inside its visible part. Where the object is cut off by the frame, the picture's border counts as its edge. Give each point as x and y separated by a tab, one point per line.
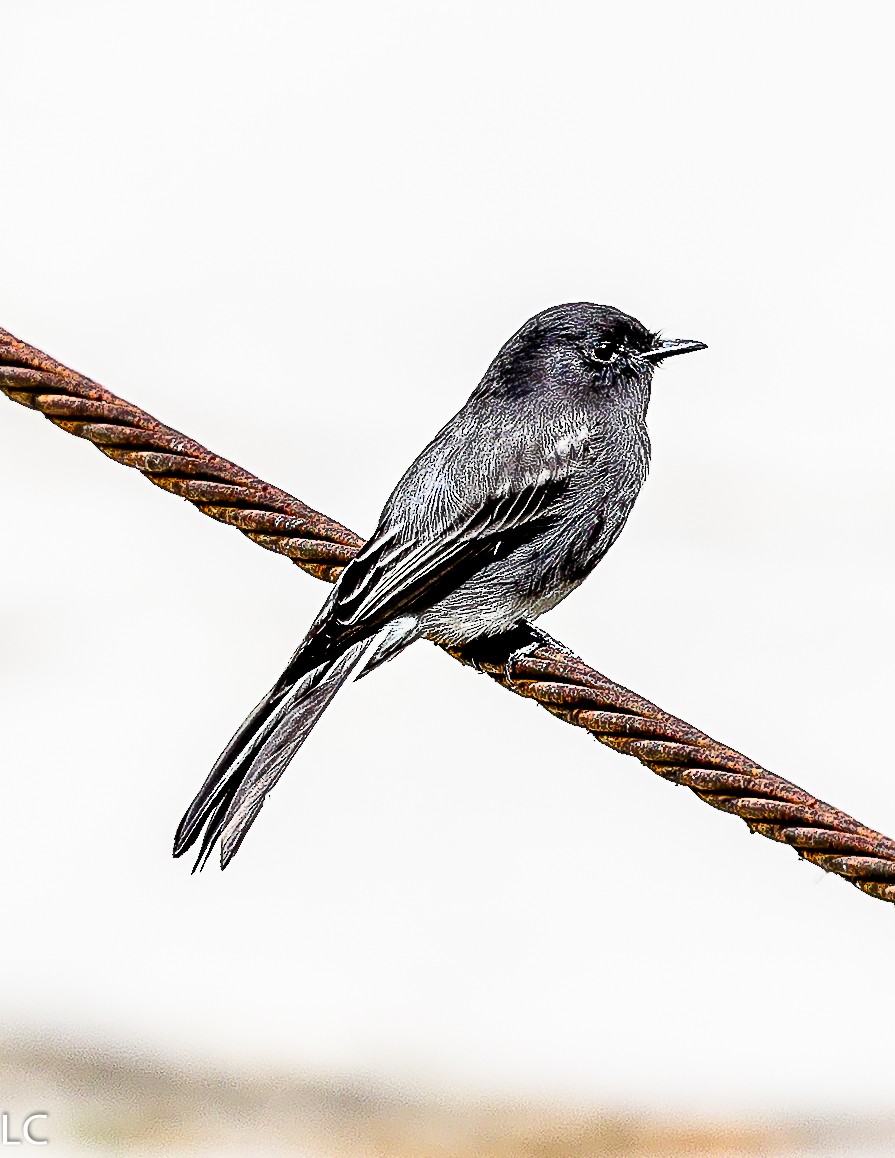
552	676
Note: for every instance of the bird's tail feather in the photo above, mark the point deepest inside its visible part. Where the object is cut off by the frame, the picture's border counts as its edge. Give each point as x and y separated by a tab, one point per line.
258	754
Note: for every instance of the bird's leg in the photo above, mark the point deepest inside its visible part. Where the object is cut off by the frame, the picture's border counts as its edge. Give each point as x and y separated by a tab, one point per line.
490	651
507	648
538	638
546	640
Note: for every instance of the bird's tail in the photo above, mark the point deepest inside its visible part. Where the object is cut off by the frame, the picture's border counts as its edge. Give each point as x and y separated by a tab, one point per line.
236	787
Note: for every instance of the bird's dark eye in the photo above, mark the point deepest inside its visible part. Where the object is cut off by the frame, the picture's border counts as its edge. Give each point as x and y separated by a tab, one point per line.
601	352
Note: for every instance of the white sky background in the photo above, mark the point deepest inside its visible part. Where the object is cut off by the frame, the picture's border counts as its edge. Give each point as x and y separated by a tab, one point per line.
299	233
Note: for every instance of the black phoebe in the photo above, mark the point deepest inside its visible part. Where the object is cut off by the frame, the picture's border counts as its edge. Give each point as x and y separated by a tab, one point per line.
507	510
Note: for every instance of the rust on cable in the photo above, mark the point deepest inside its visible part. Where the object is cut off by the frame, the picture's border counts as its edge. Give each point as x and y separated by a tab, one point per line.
170	460
551	676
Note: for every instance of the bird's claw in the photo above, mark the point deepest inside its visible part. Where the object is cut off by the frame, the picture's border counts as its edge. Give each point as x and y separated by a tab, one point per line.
514	657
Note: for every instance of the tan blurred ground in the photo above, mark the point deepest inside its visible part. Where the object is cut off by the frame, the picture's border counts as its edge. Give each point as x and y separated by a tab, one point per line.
100	1102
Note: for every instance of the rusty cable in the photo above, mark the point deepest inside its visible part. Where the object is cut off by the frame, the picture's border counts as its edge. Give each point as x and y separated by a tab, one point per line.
552	676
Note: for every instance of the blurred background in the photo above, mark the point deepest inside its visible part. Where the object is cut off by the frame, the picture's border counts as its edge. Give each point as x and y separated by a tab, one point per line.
299	233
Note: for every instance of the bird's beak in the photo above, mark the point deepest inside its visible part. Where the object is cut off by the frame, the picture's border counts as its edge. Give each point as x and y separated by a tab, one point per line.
668	347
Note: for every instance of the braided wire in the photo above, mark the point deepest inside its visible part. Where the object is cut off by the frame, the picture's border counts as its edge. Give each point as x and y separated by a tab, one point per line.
552	676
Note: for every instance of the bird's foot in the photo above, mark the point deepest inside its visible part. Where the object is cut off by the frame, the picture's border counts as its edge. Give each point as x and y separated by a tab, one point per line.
509	668
506	649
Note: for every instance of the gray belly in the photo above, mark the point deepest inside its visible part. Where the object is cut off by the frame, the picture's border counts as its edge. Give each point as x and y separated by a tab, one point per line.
488	605
525	585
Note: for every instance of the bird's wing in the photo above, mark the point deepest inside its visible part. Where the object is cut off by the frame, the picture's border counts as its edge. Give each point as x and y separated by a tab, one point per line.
403	570
392	577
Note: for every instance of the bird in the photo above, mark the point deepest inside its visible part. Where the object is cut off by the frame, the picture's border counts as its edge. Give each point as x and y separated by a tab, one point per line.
504	513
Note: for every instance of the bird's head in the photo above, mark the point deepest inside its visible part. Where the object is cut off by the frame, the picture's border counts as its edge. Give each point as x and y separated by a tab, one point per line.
596	347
